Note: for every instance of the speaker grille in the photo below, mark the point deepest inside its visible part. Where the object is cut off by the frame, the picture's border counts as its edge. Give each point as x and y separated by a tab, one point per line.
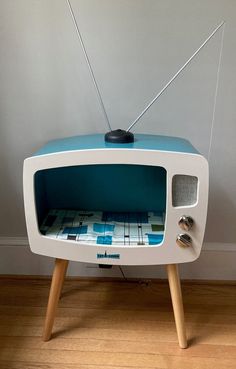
184	190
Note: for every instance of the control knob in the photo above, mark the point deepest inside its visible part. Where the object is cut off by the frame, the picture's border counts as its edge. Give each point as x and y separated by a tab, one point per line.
186	222
184	240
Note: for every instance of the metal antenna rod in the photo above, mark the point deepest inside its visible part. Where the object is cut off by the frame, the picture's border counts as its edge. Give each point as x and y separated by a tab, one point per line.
88	63
175	76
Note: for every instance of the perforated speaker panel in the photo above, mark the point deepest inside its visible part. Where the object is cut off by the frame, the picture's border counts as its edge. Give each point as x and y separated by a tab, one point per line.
184	190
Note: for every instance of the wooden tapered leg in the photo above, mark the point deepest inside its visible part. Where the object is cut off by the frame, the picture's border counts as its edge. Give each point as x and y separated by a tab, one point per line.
55	291
177	302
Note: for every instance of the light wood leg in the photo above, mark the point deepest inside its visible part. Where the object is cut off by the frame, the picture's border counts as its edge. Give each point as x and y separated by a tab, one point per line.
177	302
55	291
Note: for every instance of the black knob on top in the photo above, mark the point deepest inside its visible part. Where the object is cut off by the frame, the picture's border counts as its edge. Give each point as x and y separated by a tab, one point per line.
119	136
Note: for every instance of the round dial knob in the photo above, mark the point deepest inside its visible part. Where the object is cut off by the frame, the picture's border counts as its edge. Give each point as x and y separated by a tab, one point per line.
186	222
184	240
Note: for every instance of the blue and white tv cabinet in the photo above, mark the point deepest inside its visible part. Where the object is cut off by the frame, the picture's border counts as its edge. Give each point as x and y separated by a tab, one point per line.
141	203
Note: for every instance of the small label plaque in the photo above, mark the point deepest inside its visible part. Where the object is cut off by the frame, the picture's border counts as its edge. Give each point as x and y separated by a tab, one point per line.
108	256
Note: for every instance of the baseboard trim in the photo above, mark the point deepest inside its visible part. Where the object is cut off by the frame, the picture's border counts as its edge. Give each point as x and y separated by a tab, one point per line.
219	247
14	241
216	262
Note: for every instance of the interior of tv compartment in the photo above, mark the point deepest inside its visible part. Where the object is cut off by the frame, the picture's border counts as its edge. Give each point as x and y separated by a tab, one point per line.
108	204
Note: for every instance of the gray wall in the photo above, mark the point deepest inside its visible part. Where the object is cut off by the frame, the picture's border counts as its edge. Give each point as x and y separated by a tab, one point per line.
134	46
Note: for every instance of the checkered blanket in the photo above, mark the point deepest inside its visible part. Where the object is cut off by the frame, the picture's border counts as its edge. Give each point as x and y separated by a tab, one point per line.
105	228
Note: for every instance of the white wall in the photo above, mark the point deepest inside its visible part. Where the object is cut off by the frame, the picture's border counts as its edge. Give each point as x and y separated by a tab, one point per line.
134	46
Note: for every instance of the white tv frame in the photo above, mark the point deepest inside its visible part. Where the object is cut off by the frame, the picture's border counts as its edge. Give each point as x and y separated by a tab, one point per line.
168	252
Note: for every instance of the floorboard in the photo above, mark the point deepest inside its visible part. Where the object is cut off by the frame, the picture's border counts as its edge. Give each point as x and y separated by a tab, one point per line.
116	324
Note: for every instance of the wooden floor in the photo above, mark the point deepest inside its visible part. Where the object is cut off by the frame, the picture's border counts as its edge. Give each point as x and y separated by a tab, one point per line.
116	325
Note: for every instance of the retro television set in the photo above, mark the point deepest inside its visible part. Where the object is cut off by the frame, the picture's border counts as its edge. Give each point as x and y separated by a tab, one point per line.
138	203
118	200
